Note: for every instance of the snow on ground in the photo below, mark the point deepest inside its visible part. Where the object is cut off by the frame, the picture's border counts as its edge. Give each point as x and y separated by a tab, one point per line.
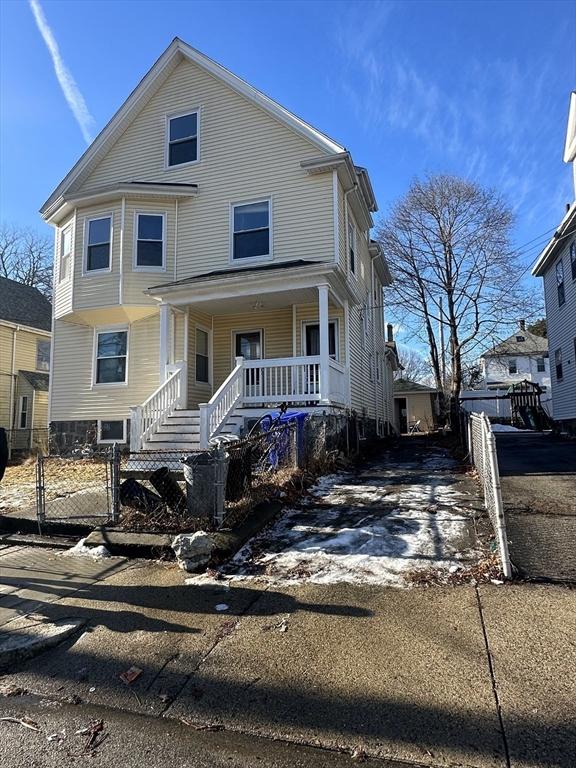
375	528
81	550
505	428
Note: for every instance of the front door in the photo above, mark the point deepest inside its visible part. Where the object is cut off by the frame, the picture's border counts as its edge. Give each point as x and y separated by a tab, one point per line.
248	344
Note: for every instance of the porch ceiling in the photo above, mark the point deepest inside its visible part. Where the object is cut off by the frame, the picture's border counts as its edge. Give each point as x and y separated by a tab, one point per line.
257	302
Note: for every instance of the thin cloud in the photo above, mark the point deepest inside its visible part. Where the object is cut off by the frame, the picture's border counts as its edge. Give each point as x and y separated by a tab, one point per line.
67	83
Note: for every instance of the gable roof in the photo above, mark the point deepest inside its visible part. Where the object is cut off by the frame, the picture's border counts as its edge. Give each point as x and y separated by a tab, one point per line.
532	345
24	305
39	381
557	242
176	52
570	146
406	386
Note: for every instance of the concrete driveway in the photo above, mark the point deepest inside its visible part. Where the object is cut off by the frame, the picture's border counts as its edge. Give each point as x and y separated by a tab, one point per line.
538	478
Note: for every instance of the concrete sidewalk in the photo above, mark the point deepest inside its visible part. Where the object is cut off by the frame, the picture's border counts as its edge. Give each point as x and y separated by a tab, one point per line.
471	676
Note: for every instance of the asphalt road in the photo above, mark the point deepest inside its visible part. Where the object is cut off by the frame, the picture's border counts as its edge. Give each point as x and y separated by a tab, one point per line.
538	479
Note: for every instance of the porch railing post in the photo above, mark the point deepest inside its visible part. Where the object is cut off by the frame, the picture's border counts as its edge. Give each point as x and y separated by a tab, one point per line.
324	389
136	428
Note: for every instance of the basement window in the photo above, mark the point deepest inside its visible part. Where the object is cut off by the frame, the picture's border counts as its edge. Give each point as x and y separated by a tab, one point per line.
182	139
112	431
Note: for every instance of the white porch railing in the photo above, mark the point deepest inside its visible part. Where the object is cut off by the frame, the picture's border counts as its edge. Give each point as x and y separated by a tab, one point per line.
215	412
287	379
145	418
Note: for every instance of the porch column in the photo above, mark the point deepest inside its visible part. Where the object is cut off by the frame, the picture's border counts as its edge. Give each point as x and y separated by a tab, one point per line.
164	340
324	344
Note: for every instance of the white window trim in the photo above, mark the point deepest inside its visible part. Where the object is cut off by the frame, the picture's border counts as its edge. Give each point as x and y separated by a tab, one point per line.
247	330
69	227
109	329
88	272
351	226
336	336
199	327
43	341
171	116
111	442
20	402
251	259
135	266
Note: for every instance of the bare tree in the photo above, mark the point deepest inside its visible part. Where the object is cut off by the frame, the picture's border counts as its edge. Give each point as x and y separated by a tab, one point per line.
456	274
415	367
26	257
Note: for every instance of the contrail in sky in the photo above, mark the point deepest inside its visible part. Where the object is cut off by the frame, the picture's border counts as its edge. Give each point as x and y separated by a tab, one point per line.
67	83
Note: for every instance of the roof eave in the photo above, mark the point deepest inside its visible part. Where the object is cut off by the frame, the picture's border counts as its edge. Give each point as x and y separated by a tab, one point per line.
551	248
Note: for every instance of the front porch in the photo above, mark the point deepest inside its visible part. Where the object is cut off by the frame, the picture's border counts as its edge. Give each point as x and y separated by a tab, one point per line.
222	351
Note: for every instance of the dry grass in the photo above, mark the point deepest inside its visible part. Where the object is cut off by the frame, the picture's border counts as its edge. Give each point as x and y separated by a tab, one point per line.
484	571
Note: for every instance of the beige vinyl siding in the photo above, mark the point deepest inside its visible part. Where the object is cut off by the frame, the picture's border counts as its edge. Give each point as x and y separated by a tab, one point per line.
63	290
562	335
40	410
99	289
308	313
135	282
277	337
419	408
245	154
177	351
198	391
74	397
25	360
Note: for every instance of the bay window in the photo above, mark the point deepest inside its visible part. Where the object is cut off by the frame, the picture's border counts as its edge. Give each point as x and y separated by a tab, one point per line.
111	357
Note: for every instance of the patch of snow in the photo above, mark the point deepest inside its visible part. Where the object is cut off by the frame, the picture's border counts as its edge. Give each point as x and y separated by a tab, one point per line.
81	550
505	428
222	607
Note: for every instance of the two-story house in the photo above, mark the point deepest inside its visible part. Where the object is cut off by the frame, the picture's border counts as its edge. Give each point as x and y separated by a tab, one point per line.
213	258
523	356
557	266
25	341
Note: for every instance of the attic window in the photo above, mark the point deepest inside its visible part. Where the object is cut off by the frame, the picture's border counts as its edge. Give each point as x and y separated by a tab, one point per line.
182	139
520	338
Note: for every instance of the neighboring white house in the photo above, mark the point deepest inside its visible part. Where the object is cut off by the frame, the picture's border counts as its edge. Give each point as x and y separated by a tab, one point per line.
213	258
523	356
557	266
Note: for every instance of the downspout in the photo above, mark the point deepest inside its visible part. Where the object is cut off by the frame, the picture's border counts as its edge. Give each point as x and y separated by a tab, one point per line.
175	238
121	268
12	382
374	350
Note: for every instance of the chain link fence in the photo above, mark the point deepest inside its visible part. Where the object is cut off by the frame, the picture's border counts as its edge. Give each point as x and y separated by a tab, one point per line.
482	452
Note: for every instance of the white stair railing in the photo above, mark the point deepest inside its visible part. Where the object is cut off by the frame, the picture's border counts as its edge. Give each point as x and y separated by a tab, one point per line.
214	413
145	418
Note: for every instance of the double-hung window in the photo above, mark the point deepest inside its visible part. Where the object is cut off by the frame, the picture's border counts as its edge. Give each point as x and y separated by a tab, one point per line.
23	415
202	356
42	355
251	230
65	254
150	248
182	139
352	247
573	259
512	366
540	364
99	238
560	282
558	364
111	357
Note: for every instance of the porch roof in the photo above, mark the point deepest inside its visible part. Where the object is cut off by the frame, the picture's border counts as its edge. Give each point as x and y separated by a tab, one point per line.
234	289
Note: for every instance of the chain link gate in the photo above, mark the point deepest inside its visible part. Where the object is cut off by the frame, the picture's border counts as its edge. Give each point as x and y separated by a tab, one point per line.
78	490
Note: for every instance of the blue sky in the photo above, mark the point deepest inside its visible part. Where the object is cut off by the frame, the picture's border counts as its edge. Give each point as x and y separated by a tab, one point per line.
478	89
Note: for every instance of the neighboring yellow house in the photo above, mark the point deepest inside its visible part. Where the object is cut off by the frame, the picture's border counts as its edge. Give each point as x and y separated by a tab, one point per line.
25	338
415	407
213	259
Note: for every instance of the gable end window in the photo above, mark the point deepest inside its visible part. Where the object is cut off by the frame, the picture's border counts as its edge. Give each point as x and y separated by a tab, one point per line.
560	282
540	365
352	247
573	258
251	230
182	139
512	366
558	364
150	248
42	355
111	357
98	242
65	254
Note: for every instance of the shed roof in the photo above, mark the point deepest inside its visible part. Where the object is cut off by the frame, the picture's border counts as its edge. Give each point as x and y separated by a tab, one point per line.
405	386
39	381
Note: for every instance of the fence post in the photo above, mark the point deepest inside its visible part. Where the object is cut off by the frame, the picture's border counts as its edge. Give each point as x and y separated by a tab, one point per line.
40	512
219	455
115	482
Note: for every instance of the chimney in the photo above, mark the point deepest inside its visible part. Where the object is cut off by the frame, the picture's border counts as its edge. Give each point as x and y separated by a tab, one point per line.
390	332
522	325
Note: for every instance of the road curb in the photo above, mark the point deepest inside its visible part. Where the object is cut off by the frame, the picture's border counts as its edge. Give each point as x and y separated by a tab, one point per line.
22	639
